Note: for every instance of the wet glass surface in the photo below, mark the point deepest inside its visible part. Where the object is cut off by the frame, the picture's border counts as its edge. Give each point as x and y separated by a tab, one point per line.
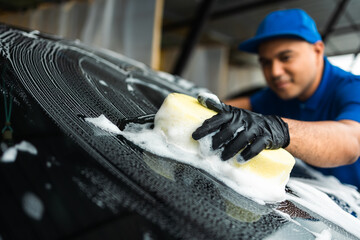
83	182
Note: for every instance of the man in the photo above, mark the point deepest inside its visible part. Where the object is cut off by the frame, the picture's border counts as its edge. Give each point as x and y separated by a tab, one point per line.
310	107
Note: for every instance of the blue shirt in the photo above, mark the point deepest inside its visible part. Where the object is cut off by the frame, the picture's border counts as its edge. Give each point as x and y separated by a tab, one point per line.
337	98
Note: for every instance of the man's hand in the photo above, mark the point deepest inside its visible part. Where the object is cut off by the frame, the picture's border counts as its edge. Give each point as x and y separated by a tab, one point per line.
241	129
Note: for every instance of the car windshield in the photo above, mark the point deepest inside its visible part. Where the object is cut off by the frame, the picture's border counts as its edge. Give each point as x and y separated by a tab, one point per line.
63	177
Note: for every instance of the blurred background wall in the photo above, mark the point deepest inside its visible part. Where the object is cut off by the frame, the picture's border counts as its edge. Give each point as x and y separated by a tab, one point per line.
198	37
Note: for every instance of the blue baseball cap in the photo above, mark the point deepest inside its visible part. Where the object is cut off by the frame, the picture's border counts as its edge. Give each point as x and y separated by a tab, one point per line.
291	23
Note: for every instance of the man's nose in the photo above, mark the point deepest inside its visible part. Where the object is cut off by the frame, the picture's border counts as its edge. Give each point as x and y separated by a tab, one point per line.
277	69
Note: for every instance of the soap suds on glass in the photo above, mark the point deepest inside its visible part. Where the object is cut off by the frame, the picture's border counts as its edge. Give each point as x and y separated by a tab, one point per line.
33	206
10	154
102	82
155	142
103	123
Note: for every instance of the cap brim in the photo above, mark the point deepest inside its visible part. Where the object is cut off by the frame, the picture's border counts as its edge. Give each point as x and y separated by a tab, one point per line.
252	45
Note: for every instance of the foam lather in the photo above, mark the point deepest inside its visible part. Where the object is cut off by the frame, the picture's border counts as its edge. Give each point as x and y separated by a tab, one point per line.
180	115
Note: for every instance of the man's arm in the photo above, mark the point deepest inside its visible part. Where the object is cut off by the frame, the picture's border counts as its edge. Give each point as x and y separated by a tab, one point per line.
241	102
325	143
320	143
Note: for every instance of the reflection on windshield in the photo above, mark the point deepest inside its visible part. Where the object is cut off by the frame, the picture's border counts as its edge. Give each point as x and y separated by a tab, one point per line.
71	82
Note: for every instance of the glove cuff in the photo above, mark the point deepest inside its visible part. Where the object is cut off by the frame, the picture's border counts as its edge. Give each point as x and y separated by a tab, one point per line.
285	129
279	131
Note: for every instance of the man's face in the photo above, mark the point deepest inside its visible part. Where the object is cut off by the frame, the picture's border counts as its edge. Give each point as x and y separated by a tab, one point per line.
292	68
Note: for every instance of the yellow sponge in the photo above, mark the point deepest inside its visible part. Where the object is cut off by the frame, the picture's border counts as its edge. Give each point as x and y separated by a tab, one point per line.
270	164
180	115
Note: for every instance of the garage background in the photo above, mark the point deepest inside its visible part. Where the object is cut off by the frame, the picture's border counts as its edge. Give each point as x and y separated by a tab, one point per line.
195	39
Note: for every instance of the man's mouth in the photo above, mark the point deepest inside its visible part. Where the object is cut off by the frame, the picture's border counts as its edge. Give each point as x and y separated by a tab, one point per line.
281	84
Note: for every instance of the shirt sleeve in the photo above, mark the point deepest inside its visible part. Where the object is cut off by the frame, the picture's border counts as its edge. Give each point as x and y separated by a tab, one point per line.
348	101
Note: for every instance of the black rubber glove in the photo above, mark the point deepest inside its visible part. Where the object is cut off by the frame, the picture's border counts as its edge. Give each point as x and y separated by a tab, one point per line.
259	131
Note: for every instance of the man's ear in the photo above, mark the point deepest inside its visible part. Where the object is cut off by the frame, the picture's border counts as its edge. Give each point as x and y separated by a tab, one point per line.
319	48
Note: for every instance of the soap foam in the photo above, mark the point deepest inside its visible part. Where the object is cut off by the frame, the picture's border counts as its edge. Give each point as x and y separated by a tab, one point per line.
324	235
10	154
33	206
206	95
310	193
242	181
314	195
103	123
239	180
319	202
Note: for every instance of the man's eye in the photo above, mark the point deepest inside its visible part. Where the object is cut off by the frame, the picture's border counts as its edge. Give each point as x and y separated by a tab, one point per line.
285	58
